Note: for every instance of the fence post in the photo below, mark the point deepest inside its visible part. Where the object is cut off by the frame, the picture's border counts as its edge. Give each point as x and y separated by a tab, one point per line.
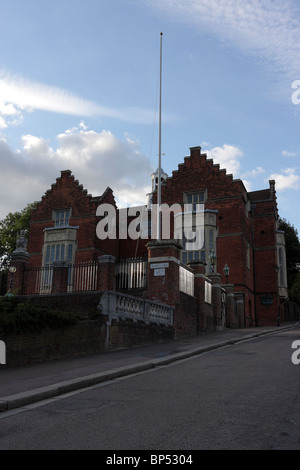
106	273
230	317
20	260
60	277
217	299
240	304
199	292
163	271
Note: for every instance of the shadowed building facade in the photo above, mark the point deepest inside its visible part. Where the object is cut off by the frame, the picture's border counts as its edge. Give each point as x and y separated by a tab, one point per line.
240	227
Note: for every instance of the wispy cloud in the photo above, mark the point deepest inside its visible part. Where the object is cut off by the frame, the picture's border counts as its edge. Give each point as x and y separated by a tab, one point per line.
286	153
254	173
18	94
29	95
267	29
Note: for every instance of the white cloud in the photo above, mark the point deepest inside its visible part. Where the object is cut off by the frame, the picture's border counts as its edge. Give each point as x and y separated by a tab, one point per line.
36	149
3	124
267	29
97	160
205	144
248	185
288	179
8	109
227	157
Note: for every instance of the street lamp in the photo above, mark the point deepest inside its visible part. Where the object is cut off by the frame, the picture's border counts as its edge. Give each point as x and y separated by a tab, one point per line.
212	258
226	270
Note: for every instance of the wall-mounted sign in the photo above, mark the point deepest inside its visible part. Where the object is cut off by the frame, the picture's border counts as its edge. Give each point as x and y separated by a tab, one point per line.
266	300
159	265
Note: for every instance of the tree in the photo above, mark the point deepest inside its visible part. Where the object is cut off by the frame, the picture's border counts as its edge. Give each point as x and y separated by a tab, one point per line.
10	228
292	245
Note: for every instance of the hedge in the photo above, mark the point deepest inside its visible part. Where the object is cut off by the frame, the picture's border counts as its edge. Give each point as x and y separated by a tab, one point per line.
17	317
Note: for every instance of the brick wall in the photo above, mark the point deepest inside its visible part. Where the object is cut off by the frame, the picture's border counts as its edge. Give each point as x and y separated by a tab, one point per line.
265	253
82	302
186	319
128	334
88	337
27	348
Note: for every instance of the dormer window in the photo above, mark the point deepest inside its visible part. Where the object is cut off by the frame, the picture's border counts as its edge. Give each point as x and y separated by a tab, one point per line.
61	218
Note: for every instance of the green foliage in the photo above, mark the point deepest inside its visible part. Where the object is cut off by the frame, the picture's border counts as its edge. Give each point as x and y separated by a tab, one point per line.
10	228
292	245
3	281
16	317
95	313
294	291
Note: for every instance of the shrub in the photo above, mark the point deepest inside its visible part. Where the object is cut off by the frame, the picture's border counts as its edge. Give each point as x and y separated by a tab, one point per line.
17	317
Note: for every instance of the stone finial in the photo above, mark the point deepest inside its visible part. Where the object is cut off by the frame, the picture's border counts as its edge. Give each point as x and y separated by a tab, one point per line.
21	244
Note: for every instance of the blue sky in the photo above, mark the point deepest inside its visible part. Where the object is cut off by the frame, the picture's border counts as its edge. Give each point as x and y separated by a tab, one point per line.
79	91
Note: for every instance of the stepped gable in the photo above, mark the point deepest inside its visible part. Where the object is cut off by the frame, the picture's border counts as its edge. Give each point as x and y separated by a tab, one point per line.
198	172
68	192
107	197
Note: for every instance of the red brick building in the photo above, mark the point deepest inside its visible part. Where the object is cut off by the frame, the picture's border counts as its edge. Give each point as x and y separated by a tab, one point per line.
63	224
240	227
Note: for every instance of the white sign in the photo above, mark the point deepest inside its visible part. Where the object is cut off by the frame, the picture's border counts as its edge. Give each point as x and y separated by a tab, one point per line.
159	272
159	265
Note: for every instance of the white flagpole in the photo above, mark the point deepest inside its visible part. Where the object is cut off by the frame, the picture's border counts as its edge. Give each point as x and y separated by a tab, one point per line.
159	151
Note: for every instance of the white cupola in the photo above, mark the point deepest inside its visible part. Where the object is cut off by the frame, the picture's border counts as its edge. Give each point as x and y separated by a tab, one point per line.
154	178
154	182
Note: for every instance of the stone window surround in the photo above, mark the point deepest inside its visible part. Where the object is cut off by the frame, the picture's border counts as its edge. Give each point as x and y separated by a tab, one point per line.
210	237
54	236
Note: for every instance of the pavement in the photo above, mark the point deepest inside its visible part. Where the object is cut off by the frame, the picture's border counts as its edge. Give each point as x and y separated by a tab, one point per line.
21	386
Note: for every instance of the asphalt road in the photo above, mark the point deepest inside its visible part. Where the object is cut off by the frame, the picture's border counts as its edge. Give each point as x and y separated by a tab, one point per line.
242	396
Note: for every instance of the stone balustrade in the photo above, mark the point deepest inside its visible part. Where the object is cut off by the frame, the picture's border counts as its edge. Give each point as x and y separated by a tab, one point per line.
118	306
